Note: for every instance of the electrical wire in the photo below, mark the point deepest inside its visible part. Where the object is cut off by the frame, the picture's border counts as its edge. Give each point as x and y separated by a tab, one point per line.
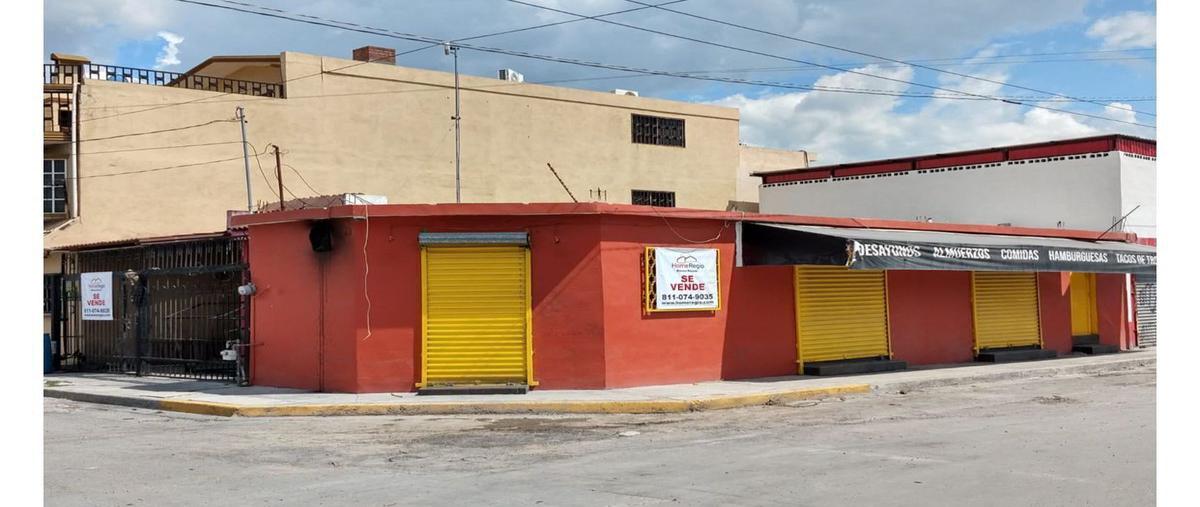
383	57
862	53
297	171
522	54
151	148
830	67
367	266
160	131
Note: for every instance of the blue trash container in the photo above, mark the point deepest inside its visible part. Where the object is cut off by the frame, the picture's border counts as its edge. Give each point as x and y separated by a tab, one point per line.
47	354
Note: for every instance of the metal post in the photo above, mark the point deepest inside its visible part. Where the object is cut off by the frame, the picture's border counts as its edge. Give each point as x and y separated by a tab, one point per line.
241	116
278	175
457	131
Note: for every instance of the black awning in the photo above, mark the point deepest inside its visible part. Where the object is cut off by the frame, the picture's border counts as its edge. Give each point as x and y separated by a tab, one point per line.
773	244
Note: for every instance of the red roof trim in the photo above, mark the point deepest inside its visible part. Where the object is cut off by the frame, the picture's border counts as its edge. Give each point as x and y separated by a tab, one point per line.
591	208
1060	148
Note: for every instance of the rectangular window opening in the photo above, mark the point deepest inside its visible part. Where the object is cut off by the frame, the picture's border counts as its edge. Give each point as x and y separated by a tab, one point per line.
654	198
54	186
658	131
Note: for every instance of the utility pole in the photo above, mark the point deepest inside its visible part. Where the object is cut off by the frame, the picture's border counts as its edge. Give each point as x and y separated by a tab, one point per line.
241	117
278	175
453	50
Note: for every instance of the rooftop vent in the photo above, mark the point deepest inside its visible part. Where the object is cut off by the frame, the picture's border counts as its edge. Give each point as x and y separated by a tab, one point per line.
375	54
632	93
511	75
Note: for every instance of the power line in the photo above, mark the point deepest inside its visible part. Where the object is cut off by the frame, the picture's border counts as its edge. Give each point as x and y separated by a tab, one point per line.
830	67
151	148
157	169
160	131
535	27
373	60
861	53
312	20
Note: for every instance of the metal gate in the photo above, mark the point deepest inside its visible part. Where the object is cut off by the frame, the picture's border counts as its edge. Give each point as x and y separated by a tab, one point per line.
840	314
1006	310
175	308
1146	292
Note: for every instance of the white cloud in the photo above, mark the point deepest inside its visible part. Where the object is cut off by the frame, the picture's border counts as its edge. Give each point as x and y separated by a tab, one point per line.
170	51
841	127
1124	112
1129	30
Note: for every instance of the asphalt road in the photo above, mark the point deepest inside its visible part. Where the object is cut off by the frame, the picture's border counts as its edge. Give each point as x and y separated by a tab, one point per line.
1079	440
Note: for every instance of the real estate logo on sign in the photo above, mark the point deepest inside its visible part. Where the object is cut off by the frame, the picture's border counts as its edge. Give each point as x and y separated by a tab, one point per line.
96	295
685	279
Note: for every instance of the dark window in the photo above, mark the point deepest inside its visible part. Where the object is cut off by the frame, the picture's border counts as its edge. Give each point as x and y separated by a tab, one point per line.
654	198
656	130
50	285
54	186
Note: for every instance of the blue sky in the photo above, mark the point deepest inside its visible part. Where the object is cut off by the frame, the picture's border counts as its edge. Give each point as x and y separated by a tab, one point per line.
1101	49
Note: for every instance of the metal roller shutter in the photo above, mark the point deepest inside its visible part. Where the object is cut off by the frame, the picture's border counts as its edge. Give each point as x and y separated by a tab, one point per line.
1147	312
840	314
1006	310
476	315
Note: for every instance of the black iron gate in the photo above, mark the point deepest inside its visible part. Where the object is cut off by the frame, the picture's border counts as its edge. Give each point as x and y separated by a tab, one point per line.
176	307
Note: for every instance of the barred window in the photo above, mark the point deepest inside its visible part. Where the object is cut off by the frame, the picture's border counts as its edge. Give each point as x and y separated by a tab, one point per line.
659	131
654	198
54	186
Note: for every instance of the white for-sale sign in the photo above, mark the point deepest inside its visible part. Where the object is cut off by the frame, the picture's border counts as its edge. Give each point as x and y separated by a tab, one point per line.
685	278
95	292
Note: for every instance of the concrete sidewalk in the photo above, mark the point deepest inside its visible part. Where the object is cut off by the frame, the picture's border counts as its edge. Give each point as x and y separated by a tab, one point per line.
218	398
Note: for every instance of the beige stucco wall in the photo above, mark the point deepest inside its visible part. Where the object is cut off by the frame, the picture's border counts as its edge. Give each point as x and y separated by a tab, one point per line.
752	159
378	129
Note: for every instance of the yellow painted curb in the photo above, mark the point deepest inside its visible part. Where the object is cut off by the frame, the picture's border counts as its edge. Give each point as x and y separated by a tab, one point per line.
662	406
198	407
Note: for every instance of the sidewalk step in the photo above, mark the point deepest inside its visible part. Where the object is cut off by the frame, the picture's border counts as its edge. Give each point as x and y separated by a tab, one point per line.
1086	339
475	389
853	367
1096	348
1011	356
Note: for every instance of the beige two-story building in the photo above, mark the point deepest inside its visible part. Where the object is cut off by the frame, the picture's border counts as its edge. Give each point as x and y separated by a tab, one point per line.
133	153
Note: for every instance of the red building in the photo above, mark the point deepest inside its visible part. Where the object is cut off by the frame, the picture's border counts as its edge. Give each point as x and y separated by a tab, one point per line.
563	296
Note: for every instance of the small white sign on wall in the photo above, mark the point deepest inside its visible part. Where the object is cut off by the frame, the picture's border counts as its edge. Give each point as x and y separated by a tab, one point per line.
95	293
685	278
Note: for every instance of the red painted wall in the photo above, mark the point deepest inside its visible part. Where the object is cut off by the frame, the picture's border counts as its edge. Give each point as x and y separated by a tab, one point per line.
285	309
1111	297
1054	298
929	315
660	348
760	323
310	327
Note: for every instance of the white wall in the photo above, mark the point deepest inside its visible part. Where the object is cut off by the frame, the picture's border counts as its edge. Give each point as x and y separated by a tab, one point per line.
1082	193
1139	187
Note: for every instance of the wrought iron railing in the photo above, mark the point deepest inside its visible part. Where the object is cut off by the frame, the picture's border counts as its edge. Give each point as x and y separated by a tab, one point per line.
56	74
175	308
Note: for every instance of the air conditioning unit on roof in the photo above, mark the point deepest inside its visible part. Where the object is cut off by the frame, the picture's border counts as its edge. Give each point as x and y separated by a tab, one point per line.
511	75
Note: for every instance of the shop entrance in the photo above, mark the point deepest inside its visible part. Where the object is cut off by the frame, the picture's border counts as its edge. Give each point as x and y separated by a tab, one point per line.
841	314
1084	318
476	315
1005	310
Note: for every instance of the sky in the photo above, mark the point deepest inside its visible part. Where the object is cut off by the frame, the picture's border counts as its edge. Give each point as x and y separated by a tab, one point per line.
1033	52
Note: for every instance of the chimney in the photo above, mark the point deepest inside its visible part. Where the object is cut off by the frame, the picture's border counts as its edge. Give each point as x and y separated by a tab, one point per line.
375	54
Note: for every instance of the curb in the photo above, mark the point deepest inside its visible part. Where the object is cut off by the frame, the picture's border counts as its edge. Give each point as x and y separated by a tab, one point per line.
662	406
1047	371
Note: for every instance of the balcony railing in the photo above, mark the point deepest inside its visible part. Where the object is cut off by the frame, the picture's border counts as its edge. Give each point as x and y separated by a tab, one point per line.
55	74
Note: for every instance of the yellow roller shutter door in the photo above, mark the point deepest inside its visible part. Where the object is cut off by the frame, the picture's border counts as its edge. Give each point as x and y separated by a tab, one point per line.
476	315
840	314
1006	310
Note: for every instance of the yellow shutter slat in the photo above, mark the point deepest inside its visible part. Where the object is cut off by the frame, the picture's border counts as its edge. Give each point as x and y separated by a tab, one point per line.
476	315
1006	310
840	313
